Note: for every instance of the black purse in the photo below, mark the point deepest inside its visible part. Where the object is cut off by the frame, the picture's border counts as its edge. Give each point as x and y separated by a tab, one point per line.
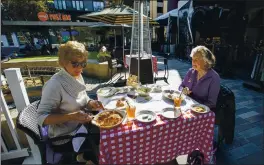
195	158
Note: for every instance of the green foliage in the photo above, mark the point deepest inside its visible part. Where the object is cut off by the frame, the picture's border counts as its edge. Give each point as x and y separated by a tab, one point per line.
23	9
103	54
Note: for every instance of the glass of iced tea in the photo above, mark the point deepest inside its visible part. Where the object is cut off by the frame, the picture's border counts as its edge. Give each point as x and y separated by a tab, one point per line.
177	101
131	110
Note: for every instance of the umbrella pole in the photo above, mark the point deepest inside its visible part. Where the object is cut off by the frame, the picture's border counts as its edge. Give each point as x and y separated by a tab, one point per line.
115	37
178	24
168	36
140	39
123	46
139	26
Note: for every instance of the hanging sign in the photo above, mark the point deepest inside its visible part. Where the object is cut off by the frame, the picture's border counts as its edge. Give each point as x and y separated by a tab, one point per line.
43	16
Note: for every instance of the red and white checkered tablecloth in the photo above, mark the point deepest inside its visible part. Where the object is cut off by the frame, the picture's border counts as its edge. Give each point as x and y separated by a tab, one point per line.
154	63
158	142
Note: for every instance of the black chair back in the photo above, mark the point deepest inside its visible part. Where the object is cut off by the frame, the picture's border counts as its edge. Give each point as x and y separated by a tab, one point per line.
112	63
27	122
225	113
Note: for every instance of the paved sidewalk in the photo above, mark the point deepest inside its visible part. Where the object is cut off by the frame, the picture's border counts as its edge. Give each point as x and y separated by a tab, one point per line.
247	147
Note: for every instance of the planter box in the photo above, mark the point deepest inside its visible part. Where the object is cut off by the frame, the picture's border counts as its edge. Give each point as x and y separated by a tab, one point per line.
93	68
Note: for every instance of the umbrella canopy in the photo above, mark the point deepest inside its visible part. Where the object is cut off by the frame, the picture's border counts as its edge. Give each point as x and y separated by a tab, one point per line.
173	14
115	15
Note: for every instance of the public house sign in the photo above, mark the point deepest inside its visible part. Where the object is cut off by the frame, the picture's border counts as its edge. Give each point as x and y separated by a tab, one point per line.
43	16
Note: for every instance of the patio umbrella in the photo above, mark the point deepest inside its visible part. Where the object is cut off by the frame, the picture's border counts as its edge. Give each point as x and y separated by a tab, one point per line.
163	19
119	14
116	15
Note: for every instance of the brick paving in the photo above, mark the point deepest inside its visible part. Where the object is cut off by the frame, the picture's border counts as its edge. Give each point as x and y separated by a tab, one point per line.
247	147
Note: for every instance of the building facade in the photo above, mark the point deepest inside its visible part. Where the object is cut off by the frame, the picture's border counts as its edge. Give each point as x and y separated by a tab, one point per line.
157	8
79	5
60	12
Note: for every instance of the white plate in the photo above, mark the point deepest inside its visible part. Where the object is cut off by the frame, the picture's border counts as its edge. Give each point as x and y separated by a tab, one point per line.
146	116
171	113
106	92
156	88
206	109
111	104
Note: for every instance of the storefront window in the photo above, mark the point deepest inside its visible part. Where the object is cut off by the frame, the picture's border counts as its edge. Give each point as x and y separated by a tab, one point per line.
60	4
56	4
81	5
98	6
63	4
69	4
74	4
88	5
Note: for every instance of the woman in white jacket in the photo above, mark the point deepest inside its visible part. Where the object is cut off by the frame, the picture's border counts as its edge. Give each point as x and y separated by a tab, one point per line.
64	96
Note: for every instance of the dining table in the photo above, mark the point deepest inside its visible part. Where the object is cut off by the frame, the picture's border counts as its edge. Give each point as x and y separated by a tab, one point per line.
159	141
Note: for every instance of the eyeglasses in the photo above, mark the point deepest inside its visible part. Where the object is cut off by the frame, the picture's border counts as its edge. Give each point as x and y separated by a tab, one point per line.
77	64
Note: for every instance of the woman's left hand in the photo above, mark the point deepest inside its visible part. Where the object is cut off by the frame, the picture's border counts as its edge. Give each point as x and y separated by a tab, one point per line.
95	105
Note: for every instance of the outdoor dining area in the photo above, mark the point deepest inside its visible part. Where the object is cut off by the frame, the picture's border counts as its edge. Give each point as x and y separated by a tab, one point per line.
139	122
154	125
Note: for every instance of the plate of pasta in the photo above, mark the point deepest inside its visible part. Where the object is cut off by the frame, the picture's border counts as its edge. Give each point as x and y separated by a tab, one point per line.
109	119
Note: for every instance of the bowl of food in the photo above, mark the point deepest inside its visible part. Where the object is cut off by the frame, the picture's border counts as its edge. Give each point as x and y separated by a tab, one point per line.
199	108
109	119
143	91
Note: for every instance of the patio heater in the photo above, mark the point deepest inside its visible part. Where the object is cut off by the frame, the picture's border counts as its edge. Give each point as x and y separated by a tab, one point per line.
140	49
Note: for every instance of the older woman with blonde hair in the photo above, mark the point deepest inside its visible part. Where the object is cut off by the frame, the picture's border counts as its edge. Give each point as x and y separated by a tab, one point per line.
202	82
64	97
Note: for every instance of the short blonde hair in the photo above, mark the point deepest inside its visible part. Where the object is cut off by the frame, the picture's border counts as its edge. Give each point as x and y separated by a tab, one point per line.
70	50
206	54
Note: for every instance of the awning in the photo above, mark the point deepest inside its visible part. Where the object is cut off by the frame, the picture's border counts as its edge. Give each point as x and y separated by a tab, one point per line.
172	13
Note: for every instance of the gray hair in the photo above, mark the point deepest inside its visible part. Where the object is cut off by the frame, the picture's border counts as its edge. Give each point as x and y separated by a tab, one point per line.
206	54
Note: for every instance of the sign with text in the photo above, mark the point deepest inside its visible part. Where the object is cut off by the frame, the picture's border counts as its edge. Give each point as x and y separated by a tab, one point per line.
42	16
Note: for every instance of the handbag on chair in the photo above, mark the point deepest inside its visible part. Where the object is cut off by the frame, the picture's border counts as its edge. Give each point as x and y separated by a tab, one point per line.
195	158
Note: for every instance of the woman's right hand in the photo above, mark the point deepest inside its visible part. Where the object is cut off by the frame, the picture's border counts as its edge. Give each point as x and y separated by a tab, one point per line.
186	91
80	116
